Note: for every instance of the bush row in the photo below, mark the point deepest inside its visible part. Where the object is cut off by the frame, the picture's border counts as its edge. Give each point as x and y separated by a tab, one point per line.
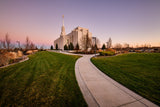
107	53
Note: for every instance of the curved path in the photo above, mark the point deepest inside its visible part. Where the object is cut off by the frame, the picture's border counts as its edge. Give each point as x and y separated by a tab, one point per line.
99	90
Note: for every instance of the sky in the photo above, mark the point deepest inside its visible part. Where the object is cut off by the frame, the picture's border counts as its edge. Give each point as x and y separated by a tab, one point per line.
135	22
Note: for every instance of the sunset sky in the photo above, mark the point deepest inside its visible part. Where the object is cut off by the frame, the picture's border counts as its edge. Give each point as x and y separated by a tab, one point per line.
125	21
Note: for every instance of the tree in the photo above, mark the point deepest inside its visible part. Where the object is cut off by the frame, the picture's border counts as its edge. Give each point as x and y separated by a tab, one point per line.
32	46
56	46
65	47
51	47
42	47
7	41
86	42
103	47
95	47
77	46
109	43
126	45
71	47
118	46
95	42
27	45
4	44
1	44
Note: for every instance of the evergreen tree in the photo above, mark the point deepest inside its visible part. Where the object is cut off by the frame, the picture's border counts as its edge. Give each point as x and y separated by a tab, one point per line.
56	46
51	47
71	47
65	47
103	47
77	46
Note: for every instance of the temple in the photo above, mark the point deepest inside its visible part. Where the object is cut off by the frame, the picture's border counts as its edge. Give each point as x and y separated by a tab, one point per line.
74	37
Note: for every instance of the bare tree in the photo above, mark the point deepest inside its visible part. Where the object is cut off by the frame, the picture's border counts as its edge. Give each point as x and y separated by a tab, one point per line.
118	46
1	44
96	42
109	43
126	45
42	48
86	42
7	41
32	46
27	43
137	46
4	44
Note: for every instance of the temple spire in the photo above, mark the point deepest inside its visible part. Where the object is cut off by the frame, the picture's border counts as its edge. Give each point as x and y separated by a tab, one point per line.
63	28
63	19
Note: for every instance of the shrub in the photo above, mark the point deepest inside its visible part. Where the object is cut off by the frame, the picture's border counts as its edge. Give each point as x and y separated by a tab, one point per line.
56	46
65	47
51	47
71	47
77	47
103	47
107	53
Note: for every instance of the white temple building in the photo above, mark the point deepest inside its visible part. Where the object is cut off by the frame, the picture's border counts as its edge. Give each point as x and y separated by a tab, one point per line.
73	37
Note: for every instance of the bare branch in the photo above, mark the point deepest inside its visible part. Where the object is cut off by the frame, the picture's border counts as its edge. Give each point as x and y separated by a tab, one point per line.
8	41
27	43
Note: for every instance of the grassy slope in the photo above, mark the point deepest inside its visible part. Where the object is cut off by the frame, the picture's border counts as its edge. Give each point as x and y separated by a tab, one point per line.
139	72
47	79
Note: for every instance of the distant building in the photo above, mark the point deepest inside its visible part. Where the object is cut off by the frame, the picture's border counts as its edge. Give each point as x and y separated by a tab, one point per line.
74	37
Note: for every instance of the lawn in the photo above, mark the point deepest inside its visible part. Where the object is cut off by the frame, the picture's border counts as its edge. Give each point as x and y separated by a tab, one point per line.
139	72
46	79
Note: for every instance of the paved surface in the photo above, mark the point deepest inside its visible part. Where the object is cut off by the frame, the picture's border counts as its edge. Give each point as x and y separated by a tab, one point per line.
100	90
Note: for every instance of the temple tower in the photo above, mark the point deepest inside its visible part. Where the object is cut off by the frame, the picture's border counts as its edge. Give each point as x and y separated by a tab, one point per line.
63	28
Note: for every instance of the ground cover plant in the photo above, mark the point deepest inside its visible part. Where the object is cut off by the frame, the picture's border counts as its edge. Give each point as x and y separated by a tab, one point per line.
107	53
46	79
139	72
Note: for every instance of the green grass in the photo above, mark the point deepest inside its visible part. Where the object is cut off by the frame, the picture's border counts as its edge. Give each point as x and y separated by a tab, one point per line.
139	72
46	79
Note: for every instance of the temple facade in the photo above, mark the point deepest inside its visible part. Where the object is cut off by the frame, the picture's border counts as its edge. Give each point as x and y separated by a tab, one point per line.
74	37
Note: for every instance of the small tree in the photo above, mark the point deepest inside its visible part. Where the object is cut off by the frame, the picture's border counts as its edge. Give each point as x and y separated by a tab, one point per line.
51	47
8	41
126	45
27	43
1	44
41	48
71	47
77	46
56	46
103	47
4	44
86	42
32	46
65	47
109	43
118	46
94	47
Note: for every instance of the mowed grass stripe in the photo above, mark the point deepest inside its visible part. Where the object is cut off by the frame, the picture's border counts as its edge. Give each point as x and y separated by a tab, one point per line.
46	79
139	72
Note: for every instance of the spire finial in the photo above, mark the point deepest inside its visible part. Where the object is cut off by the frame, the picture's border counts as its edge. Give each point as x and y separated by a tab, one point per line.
63	19
63	28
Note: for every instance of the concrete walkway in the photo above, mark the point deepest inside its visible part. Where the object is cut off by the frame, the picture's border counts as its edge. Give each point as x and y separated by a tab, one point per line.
100	90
